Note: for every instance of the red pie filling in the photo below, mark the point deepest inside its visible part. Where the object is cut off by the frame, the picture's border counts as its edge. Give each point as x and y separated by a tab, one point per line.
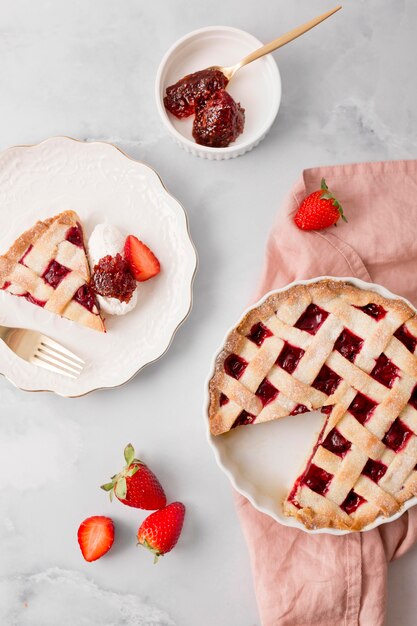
22	260
397	436
55	273
258	333
348	344
317	479
75	236
413	398
312	318
33	300
243	419
404	335
362	407
374	470
289	357
373	310
234	365
112	278
219	121
299	408
385	371
266	392
336	443
352	502
326	381
181	98
223	399
85	296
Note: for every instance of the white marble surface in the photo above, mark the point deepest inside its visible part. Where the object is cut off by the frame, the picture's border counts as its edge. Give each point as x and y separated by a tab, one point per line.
86	69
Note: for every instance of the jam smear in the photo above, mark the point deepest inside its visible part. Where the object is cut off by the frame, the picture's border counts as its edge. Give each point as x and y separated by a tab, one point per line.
266	392
326	381
235	365
352	502
348	344
397	436
75	236
362	407
22	260
403	334
317	479
182	97
112	278
289	357
55	273
374	470
243	419
336	443
219	121
34	300
258	333
299	408
413	398
376	311
312	318
85	296
385	371
223	399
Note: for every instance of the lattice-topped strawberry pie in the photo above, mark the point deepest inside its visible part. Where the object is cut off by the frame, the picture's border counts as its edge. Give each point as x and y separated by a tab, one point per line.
48	266
351	353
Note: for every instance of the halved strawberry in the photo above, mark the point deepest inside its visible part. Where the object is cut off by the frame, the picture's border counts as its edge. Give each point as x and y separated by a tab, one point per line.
141	260
95	536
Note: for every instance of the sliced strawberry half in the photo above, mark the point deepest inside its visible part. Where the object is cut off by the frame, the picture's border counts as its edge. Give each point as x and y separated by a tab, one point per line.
95	536
142	262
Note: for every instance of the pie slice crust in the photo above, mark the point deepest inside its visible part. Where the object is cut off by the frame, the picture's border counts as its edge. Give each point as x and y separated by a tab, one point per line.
47	265
350	353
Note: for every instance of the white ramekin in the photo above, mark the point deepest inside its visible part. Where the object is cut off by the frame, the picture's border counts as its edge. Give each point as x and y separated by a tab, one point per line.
257	86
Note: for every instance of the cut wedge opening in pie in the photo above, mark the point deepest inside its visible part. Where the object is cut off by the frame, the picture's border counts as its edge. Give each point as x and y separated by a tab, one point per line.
351	353
47	265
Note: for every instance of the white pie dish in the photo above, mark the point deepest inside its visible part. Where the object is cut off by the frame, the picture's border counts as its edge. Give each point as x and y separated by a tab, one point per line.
263	461
99	182
257	87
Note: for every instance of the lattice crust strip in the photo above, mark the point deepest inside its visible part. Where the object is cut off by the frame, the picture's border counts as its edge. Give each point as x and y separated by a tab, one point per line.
351	353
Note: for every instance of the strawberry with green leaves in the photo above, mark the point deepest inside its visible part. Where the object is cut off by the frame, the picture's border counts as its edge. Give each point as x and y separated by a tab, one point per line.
319	210
160	531
136	485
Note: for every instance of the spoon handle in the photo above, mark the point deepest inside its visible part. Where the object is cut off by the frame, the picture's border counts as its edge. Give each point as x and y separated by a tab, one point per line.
286	38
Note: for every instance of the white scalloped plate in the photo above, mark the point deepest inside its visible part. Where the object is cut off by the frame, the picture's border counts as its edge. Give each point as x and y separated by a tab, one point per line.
101	183
262	461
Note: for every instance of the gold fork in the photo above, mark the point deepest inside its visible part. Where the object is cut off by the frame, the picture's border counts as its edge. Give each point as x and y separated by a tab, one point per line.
42	351
231	70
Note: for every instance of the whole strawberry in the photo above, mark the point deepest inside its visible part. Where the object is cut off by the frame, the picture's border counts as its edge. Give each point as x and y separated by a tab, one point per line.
319	210
160	531
136	485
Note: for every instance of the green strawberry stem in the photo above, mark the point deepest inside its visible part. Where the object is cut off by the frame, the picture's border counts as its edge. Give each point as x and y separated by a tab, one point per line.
327	195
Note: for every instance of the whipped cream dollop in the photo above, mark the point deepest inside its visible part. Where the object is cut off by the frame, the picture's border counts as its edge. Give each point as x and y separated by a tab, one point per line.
107	239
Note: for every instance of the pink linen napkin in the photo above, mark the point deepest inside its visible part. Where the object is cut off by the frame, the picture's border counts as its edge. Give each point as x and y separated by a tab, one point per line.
325	580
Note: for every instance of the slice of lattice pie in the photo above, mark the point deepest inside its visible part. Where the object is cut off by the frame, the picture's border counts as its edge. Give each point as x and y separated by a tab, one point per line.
351	353
47	265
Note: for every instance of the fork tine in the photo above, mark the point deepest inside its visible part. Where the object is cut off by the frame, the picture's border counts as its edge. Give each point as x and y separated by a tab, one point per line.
66	360
53	358
60	348
41	361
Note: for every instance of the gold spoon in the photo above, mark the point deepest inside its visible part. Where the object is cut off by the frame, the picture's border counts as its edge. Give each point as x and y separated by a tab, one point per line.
230	71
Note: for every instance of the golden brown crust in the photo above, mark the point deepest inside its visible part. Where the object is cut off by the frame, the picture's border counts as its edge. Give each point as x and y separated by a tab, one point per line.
341	298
